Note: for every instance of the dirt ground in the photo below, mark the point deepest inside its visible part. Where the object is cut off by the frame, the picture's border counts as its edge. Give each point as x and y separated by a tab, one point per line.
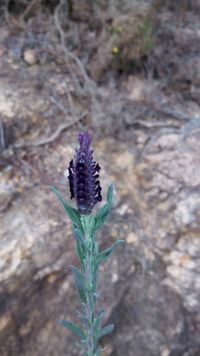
129	71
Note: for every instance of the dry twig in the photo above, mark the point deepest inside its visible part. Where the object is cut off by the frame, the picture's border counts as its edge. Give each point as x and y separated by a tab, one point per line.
53	137
90	85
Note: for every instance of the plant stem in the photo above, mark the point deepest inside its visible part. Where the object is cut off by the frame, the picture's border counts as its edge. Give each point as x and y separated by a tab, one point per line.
89	305
89	281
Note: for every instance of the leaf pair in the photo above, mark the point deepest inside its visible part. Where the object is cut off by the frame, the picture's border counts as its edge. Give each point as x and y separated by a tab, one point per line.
75	216
80	333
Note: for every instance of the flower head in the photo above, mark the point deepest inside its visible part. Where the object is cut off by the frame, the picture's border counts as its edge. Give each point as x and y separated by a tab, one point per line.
83	176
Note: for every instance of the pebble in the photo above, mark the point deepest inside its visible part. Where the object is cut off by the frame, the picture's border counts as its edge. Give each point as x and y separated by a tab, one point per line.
29	56
132	238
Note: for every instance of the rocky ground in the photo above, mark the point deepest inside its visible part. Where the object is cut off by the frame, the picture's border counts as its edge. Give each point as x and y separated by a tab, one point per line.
146	128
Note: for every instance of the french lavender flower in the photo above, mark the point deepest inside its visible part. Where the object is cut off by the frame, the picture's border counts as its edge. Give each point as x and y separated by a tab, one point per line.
84	186
83	176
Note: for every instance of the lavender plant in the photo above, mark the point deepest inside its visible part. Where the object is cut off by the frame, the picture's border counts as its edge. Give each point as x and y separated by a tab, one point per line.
85	187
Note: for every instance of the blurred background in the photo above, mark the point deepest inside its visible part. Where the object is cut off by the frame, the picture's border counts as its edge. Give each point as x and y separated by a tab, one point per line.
128	71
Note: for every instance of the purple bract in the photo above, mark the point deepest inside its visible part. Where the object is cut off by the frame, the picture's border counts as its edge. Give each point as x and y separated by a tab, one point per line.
83	176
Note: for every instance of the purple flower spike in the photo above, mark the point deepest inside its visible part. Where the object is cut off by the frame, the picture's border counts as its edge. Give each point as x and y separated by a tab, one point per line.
83	176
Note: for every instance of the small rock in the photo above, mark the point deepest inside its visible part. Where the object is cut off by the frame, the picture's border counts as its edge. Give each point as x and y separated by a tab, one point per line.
114	233
5	320
132	238
115	277
29	56
123	209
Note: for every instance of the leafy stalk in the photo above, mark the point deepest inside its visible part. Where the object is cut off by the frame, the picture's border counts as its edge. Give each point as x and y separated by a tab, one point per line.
84	227
90	282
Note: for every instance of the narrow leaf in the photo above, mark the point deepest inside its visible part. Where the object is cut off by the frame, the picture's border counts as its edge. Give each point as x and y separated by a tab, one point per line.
102	256
80	283
80	254
71	212
106	330
74	328
96	322
110	194
80	239
102	214
96	326
81	246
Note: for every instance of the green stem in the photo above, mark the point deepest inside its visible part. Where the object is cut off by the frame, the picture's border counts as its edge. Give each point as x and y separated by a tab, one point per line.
89	305
89	281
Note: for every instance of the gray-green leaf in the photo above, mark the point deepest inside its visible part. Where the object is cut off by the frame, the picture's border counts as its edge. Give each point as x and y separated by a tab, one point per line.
103	255
81	246
102	214
96	326
80	283
80	239
106	330
73	214
74	328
